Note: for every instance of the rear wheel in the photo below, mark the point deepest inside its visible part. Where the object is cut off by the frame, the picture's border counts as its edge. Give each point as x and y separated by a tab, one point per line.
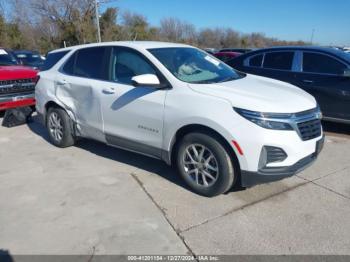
205	165
59	127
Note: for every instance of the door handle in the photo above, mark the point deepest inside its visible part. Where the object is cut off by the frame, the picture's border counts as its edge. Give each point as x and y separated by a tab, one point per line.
108	91
61	82
308	81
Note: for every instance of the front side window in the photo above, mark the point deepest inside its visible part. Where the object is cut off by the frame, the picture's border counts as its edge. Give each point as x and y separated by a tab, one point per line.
88	63
194	66
279	60
127	63
322	64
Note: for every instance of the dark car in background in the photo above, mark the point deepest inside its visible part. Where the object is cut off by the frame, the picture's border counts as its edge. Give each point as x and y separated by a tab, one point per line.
29	58
237	50
226	56
322	72
211	51
7	58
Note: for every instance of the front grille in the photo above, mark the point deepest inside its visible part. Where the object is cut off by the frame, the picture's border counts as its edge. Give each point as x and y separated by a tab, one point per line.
310	129
17	86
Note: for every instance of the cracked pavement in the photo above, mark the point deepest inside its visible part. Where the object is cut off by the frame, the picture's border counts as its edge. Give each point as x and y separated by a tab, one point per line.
95	199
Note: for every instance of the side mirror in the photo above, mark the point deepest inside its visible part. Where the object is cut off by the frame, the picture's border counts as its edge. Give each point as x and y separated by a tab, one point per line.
146	80
347	72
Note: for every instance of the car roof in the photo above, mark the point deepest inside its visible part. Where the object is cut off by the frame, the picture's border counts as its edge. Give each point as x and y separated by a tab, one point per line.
133	44
309	48
321	49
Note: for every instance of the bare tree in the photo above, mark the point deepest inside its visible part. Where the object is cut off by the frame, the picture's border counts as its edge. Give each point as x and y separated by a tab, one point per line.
209	37
136	26
45	24
175	30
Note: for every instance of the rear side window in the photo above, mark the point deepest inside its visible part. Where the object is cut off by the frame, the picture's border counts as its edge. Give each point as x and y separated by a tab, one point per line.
323	64
52	59
88	63
256	61
68	67
279	60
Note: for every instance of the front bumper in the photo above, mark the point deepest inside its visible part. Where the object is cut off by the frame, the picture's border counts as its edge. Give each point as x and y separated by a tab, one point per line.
270	174
17	100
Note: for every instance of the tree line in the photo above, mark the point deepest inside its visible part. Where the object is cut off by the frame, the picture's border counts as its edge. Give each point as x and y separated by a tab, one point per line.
45	25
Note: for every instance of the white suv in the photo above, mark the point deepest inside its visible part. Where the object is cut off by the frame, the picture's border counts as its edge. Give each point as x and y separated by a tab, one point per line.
177	103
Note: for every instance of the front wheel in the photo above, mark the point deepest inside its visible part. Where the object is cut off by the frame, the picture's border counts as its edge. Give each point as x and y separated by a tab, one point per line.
205	165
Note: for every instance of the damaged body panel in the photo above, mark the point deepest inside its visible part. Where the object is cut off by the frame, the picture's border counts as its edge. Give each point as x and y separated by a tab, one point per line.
81	99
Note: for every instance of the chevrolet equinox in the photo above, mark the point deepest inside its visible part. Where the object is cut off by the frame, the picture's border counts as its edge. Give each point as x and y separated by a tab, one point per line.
177	103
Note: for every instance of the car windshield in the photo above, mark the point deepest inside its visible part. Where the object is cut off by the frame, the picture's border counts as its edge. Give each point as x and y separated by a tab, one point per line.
194	66
6	58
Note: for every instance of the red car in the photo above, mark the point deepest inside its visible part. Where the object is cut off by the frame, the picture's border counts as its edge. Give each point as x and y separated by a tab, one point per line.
226	56
17	83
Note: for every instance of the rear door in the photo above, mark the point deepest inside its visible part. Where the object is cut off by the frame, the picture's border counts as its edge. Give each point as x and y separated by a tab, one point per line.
78	85
322	76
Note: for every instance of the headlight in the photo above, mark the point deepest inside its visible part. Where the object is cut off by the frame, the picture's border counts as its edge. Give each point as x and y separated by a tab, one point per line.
275	121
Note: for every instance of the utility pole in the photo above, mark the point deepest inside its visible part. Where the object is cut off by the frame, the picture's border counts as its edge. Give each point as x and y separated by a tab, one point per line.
97	22
312	36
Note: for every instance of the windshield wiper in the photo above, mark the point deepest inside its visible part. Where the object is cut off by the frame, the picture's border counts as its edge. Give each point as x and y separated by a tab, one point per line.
203	82
228	79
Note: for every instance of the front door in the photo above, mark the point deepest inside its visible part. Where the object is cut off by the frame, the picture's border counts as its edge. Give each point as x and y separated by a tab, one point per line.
132	116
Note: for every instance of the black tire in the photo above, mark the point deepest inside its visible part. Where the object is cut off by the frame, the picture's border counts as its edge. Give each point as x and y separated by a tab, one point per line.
225	176
66	138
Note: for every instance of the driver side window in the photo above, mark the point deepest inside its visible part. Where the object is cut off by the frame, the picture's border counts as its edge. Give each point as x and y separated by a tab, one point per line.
126	64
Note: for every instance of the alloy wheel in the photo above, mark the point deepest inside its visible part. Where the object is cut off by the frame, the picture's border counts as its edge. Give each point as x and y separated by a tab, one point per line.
201	165
55	126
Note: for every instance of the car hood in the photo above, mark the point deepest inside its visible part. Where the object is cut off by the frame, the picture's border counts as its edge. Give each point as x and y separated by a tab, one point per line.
16	72
261	94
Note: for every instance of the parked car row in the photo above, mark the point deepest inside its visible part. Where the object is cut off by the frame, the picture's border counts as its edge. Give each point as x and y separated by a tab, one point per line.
216	122
29	58
23	57
227	55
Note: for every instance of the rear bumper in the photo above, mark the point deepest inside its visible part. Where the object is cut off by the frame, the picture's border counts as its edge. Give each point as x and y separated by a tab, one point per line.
14	101
271	174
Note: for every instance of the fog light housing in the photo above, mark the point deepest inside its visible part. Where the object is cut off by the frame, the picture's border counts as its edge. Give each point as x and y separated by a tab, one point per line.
271	154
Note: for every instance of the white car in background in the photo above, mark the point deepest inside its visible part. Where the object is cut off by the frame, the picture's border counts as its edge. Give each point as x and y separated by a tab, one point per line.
177	103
